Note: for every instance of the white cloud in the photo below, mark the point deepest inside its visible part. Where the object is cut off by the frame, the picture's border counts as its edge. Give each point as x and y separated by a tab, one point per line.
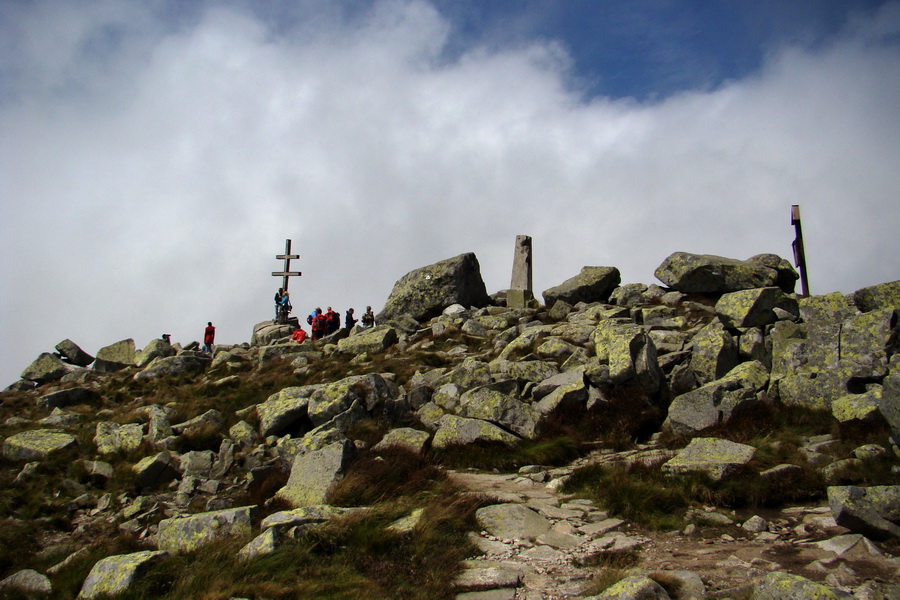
149	173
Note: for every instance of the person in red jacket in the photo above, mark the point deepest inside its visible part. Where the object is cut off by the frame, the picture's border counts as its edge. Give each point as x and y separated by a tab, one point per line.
334	321
209	336
299	335
319	325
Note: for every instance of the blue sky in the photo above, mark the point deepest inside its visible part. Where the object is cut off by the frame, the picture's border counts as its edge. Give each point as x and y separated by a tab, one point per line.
154	156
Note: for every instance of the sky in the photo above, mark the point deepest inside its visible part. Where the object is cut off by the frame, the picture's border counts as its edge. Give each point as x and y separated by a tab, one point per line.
155	155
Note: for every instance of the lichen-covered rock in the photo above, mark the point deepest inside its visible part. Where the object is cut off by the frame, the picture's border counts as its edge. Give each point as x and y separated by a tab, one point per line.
592	284
115	356
36	445
305	515
454	431
826	309
210	421
787	275
425	292
749	308
73	353
523	370
709	274
512	521
313	474
47	367
859	408
184	534
404	437
155	471
27	582
114	437
264	544
571	395
713	456
881	296
370	341
469	374
283	409
867	342
779	585
635	587
714	353
373	392
717	401
174	366
812	390
268	332
872	511
157	348
503	410
68	397
115	574
287	351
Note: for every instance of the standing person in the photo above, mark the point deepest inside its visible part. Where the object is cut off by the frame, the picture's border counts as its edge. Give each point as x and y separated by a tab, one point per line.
368	318
285	307
349	321
334	321
278	296
209	336
312	315
319	325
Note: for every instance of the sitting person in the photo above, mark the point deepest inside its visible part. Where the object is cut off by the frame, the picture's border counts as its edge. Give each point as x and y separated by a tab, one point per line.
299	335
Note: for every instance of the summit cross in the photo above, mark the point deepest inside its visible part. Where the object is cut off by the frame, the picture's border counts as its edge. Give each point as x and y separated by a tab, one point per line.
287	257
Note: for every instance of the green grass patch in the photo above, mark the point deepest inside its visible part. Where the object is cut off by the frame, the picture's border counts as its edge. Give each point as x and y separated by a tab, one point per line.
503	457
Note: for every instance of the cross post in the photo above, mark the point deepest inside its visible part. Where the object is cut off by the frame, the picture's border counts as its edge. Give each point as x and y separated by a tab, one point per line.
286	273
799	252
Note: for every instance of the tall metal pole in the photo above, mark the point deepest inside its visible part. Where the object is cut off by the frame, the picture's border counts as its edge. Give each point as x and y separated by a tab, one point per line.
799	252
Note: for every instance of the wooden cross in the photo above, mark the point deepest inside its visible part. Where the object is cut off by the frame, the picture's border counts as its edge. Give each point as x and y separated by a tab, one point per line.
799	252
286	273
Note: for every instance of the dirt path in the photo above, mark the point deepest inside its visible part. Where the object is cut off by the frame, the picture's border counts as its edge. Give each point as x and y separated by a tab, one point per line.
726	557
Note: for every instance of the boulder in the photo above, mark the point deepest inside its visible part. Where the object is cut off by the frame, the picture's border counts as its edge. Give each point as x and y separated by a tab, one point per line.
713	353
512	522
264	544
115	437
749	308
592	284
116	574
373	392
859	408
634	587
779	585
404	437
826	309
36	445
266	333
73	353
313	474
283	410
27	582
709	274
501	409
716	401
63	398
787	275
453	431
157	348
630	353
369	341
305	515
890	399
881	296
425	292
156	471
871	511
175	366
211	420
184	534
115	357
47	367
522	370
867	342
718	458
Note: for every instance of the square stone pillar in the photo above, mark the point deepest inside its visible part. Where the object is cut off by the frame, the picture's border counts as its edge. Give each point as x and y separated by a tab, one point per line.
520	294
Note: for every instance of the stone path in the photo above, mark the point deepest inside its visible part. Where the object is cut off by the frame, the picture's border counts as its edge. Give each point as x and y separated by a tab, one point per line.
535	543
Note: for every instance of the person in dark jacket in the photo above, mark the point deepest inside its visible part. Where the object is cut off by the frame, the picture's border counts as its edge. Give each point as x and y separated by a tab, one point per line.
349	321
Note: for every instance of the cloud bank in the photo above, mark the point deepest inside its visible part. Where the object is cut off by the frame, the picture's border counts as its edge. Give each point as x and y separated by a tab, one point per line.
152	164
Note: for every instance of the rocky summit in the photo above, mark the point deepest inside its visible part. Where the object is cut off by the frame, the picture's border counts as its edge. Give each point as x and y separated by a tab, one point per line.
711	436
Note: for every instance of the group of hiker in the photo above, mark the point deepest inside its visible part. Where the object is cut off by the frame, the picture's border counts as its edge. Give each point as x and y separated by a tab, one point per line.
321	323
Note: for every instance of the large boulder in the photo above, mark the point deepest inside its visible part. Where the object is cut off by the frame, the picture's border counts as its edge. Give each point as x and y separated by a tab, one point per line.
37	444
114	437
47	367
710	274
503	410
283	410
630	353
115	356
425	292
174	366
184	534
403	437
115	574
314	473
157	348
713	353
749	308
369	341
373	392
787	274
779	585
268	332
592	284
872	511
883	295
717	458
716	401
455	431
73	353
